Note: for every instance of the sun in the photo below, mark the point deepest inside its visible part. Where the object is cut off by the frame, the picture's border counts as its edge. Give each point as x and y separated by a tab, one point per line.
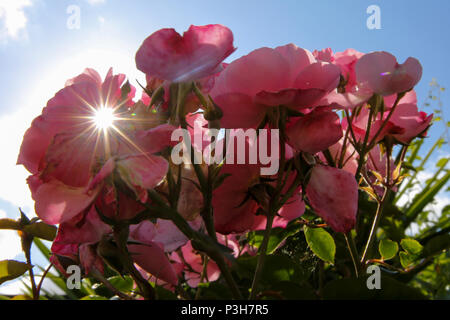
104	117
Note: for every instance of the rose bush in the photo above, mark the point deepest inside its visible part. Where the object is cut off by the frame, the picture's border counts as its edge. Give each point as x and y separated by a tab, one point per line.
124	206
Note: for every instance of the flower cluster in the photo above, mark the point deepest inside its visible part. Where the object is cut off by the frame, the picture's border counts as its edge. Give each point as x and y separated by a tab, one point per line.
101	166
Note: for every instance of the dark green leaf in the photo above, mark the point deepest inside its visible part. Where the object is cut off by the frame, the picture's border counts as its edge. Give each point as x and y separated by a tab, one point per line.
41	230
10	224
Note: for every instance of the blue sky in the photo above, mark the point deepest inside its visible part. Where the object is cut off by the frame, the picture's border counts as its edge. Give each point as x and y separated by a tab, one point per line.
38	52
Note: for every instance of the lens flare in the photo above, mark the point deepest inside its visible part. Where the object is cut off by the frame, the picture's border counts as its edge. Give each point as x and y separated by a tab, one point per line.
104	118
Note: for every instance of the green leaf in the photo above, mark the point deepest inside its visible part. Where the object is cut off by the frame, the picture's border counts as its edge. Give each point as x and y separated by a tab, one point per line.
11	269
93	297
41	230
277	267
124	284
424	198
406	259
411	246
277	236
442	162
42	248
9	224
22	297
388	249
321	243
164	294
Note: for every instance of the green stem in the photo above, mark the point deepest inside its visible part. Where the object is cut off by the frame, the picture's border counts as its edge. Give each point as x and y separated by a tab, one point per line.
380	205
385	122
353	252
376	220
262	257
364	149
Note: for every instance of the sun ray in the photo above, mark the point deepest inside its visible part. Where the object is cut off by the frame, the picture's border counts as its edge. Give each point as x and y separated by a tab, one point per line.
127	139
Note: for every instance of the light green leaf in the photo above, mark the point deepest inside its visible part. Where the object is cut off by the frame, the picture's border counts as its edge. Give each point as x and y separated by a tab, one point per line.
388	249
11	269
406	259
321	243
411	246
93	297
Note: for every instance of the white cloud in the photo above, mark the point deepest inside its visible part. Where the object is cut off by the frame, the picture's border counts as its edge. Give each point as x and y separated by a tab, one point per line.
95	2
101	21
9	242
13	187
13	20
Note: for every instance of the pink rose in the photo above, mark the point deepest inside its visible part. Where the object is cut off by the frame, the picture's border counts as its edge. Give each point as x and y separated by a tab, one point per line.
197	54
286	75
383	75
333	194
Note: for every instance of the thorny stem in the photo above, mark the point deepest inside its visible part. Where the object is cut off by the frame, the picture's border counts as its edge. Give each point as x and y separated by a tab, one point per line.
146	289
200	241
274	205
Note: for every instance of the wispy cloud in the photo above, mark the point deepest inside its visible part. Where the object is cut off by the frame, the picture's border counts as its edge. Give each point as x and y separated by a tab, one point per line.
13	20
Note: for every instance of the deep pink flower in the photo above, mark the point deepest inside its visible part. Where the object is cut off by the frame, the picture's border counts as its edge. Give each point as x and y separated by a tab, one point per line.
197	54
